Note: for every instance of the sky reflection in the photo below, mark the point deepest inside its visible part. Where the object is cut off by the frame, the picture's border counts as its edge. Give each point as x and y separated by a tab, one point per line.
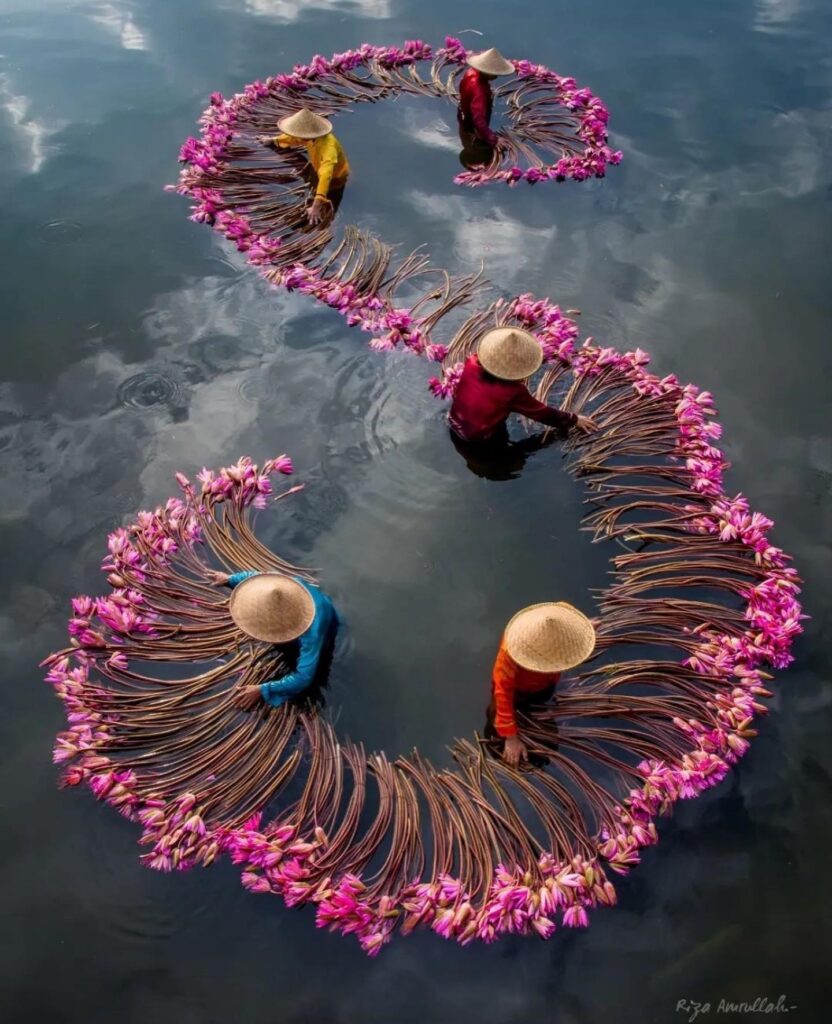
118	19
136	343
293	10
31	134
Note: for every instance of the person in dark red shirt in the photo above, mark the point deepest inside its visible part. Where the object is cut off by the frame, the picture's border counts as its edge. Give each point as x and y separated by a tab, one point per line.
492	386
475	98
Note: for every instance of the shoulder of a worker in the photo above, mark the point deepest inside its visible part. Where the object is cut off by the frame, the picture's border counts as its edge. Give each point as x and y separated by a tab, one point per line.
323	602
472	365
509	389
470	373
517	388
328	144
504	667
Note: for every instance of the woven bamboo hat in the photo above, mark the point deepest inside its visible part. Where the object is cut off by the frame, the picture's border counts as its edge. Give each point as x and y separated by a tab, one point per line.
509	353
305	125
491	62
549	637
272	607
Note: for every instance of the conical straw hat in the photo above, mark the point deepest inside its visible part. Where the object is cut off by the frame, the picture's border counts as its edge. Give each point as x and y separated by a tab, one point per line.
509	353
549	637
272	607
492	62
305	125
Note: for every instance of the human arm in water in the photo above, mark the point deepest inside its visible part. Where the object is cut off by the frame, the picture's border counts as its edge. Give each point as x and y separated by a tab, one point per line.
328	161
505	720
506	681
527	405
225	579
321	205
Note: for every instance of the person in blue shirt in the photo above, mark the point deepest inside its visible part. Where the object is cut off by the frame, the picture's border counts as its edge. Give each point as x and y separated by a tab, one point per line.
279	609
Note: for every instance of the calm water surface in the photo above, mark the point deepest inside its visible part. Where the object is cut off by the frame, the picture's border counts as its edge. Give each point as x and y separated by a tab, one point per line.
135	344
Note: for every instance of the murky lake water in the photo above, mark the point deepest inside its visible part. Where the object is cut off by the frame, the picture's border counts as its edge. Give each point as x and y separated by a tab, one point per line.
135	343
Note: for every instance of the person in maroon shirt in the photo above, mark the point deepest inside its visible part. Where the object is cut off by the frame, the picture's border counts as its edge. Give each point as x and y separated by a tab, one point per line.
492	386
475	99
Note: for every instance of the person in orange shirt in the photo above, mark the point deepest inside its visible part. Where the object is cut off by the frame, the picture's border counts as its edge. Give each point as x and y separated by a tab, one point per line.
328	162
539	643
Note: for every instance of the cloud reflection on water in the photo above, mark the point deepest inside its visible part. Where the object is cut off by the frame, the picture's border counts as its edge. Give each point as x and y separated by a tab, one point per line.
504	243
706	249
33	132
775	15
292	10
118	19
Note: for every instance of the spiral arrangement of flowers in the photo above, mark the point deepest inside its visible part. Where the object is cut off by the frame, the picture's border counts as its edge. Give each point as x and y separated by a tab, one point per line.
700	607
257	198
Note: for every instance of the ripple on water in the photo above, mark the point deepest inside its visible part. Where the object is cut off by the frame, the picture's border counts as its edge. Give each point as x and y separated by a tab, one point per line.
606	326
135	904
255	387
148	389
60	232
191	373
365	413
223	352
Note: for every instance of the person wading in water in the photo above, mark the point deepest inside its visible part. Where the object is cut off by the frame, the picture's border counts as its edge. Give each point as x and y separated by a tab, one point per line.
328	165
281	609
539	643
492	386
475	97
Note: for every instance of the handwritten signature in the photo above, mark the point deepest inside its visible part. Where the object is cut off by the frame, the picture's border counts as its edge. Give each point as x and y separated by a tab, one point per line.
762	1004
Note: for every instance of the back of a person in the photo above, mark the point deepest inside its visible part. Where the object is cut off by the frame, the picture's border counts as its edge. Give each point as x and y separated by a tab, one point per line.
472	86
328	148
481	402
493	385
327	159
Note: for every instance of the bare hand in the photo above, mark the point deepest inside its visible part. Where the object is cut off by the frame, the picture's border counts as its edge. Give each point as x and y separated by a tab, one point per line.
515	751
317	211
247	697
217	579
586	425
265	140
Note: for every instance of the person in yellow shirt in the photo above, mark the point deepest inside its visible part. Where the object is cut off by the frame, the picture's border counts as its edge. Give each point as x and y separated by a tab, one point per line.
326	158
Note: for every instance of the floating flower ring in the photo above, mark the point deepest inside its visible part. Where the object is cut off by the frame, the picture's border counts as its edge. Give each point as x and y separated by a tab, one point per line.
482	849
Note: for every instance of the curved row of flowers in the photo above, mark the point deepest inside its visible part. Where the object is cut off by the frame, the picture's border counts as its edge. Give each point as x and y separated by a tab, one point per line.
280	856
278	863
208	155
